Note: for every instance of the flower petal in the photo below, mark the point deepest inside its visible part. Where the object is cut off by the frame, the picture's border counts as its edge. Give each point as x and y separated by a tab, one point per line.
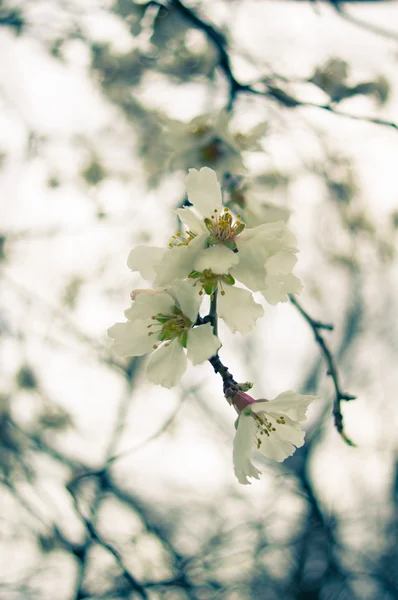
167	365
204	191
143	259
274	447
278	288
147	305
238	309
242	451
290	431
177	262
219	259
281	263
251	268
192	221
131	339
288	403
202	343
187	297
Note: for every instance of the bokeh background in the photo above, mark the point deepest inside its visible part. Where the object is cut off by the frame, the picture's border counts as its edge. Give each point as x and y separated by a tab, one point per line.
112	488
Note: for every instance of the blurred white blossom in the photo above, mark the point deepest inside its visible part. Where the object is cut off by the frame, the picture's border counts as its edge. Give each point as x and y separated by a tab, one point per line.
208	140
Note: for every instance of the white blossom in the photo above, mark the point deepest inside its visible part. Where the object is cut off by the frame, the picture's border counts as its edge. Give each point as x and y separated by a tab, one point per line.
269	427
208	140
216	251
162	322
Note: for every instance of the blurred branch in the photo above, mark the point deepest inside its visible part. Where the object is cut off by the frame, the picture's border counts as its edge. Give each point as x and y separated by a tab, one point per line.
282	97
381	31
317	327
96	537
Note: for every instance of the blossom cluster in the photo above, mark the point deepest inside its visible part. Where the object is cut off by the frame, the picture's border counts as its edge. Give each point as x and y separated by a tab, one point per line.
227	251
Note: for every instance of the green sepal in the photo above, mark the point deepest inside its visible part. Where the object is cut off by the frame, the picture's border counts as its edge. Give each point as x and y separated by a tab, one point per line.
176	310
212	241
236	423
244	387
184	338
230	244
239	229
163	318
195	275
208	224
228	279
164	335
210	287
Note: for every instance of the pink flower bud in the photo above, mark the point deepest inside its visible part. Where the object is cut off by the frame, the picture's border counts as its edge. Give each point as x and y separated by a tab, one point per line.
240	400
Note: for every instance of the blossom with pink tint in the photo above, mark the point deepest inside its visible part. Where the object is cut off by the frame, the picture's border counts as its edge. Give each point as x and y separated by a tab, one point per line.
267	426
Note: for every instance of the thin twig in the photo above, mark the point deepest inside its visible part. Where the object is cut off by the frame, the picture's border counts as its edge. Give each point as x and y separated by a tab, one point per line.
381	31
283	98
95	536
332	371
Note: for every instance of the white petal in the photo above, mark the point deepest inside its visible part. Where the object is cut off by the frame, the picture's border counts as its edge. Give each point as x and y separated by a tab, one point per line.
274	447
132	339
269	233
204	191
251	138
288	403
187	297
222	129
178	261
146	306
143	259
202	343
290	431
251	268
167	365
243	444
192	221
238	309
281	263
255	214
278	288
219	259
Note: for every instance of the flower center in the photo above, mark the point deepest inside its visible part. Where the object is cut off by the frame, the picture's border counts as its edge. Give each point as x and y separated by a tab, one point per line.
213	151
223	229
209	281
171	326
265	426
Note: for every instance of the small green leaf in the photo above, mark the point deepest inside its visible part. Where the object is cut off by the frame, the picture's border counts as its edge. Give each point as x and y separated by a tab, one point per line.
163	318
194	275
239	228
164	335
230	244
209	224
211	241
210	287
184	338
228	279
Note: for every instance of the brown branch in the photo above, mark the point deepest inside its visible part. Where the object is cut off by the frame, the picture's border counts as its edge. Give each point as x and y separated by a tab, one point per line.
275	93
376	29
332	371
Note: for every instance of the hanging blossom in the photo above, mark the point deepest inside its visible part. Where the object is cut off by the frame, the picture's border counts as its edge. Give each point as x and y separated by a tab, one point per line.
269	427
162	322
208	140
217	250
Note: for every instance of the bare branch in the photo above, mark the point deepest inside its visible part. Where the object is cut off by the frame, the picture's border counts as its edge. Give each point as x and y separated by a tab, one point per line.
332	371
